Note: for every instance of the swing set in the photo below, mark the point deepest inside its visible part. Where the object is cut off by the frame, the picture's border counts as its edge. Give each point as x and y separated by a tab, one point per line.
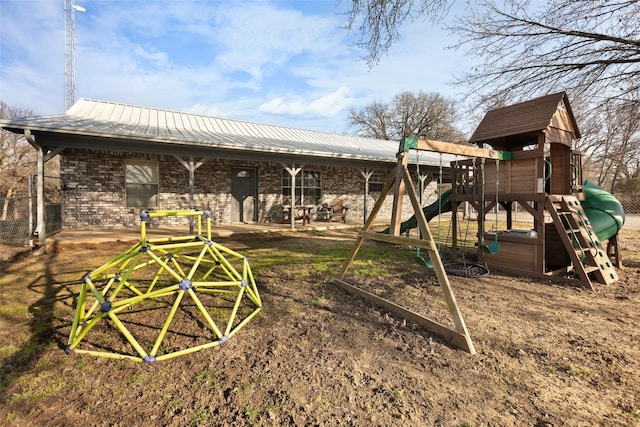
569	218
400	182
463	268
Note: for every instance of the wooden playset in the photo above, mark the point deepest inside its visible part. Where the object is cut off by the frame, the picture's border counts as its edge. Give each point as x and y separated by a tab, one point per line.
544	177
529	163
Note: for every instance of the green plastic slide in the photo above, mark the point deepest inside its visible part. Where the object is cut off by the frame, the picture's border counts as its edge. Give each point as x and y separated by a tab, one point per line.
443	204
604	211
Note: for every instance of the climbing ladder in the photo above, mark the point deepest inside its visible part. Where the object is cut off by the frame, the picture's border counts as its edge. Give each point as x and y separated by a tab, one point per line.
587	253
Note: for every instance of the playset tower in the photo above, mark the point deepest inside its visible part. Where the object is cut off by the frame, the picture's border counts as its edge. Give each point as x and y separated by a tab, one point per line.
542	176
520	155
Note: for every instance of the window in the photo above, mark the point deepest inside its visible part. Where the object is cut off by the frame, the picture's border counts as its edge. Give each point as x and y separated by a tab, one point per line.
376	182
308	184
141	179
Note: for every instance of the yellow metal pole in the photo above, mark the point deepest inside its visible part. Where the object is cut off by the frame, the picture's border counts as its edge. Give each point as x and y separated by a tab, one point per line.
143	232
234	311
226	265
244	322
138	298
109	355
188	350
126	257
78	314
196	264
155	280
124	278
124	331
177	266
167	322
83	332
164	265
255	296
205	313
158	240
228	251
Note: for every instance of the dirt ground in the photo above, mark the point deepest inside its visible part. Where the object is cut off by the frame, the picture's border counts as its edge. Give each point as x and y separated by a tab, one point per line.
548	354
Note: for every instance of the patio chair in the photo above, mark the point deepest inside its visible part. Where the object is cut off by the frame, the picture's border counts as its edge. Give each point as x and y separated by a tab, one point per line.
336	211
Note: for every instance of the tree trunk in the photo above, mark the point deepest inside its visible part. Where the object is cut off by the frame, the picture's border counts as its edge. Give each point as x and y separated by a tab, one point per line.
5	205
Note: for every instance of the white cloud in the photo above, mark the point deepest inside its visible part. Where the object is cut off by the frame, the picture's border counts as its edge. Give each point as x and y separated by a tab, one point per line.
325	106
260	38
31	48
160	59
281	62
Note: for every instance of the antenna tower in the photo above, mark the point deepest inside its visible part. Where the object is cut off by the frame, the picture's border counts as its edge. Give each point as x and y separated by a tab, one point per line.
70	9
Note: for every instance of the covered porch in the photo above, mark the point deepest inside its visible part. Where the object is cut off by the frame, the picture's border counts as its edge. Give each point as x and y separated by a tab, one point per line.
217	231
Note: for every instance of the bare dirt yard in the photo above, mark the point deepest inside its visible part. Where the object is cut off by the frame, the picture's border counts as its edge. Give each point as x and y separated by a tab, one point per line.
548	354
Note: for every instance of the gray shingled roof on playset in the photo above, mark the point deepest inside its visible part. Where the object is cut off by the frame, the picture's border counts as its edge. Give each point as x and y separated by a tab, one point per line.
526	118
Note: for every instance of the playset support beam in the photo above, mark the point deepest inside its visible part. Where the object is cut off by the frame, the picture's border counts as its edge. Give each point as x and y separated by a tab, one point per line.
401	181
452	148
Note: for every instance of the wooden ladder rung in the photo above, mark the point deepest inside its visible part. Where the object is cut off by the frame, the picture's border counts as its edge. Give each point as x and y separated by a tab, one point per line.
589	256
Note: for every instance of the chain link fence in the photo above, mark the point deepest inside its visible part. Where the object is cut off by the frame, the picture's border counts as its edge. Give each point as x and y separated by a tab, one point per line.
630	203
14	221
16	225
18	216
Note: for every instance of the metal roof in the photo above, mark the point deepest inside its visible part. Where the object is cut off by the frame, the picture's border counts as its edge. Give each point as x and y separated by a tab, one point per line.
112	126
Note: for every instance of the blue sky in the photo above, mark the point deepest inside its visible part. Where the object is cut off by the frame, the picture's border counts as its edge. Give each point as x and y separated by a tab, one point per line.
277	62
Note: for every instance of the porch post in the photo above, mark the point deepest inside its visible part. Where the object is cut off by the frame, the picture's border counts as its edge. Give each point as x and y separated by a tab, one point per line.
191	166
41	229
293	171
30	204
43	155
366	174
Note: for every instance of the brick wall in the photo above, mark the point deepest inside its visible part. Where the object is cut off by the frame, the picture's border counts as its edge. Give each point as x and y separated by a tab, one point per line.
94	192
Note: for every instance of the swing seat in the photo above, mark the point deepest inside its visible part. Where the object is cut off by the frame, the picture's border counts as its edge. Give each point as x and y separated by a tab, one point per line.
492	248
427	262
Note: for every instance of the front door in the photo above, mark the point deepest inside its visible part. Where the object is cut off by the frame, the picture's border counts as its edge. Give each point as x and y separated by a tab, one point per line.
244	193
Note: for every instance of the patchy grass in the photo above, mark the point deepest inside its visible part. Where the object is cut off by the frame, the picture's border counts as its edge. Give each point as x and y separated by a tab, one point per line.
315	355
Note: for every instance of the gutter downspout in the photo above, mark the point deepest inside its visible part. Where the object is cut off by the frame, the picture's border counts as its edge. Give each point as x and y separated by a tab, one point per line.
40	230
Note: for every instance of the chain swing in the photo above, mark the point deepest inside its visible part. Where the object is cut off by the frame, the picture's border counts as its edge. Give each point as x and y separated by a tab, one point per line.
493	247
465	268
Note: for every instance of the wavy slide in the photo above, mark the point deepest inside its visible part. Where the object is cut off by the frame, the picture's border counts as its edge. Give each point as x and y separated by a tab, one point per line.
604	211
443	204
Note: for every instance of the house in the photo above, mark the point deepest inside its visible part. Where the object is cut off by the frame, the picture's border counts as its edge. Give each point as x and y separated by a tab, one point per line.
117	159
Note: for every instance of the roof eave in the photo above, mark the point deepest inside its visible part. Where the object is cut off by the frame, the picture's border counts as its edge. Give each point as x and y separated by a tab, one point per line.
163	146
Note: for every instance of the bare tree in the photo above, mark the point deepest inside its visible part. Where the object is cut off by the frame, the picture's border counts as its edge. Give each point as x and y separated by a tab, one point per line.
589	48
377	22
612	145
423	114
16	159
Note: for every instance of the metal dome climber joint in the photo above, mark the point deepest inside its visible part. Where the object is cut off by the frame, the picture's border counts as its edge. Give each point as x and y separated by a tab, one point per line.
182	281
